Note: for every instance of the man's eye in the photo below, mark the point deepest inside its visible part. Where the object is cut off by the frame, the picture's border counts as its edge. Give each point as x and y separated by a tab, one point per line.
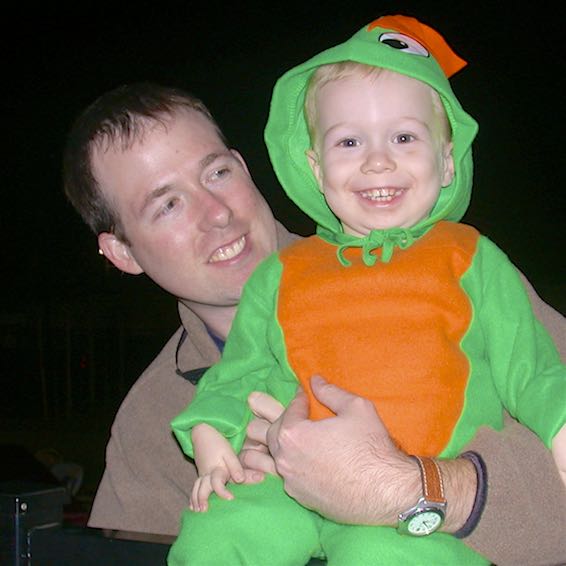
168	206
404	138
219	173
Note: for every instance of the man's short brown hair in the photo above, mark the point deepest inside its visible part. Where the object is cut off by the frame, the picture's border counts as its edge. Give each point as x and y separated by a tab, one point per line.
118	118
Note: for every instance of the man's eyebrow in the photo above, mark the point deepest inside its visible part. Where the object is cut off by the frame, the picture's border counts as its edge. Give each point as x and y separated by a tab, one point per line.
154	195
212	157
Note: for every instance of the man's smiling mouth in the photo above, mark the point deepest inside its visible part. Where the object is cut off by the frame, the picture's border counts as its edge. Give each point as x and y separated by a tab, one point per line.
228	252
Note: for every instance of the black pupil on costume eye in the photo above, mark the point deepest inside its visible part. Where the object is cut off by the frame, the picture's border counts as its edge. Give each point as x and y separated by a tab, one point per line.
395	43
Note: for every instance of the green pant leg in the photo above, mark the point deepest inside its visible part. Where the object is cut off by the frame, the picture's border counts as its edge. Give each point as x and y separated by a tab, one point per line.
261	526
348	545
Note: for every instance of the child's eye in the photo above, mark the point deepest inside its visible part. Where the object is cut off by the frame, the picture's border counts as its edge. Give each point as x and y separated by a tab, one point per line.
404	138
349	142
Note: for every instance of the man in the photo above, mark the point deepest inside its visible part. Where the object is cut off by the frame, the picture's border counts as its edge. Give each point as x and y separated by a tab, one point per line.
150	173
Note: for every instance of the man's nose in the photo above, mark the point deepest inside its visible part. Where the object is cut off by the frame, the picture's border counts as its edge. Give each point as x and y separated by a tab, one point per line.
215	212
378	160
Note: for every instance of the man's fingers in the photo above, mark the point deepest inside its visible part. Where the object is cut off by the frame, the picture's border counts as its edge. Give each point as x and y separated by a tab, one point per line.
265	406
253	476
296	412
256	433
259	461
335	398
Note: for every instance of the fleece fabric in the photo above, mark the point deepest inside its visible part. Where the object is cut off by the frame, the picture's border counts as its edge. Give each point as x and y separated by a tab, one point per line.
431	322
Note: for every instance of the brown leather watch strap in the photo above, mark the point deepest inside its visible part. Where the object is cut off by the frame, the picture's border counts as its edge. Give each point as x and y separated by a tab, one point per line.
433	488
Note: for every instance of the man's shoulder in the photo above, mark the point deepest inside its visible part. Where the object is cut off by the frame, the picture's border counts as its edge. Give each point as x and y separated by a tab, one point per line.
147	479
159	391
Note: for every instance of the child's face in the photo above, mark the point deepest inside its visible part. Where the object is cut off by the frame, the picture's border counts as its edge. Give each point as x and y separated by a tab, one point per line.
380	158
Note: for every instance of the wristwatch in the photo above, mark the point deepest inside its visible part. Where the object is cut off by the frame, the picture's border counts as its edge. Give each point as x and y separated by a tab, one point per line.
427	516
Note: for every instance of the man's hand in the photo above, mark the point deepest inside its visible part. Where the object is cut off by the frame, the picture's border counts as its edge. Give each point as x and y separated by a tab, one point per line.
345	467
255	454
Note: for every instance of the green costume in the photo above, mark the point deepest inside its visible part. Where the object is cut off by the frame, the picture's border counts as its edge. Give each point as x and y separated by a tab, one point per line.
440	335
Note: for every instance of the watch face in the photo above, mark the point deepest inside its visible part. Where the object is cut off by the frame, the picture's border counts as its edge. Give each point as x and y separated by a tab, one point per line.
424	523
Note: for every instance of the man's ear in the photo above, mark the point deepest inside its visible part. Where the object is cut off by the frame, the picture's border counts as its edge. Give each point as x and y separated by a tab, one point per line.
314	164
448	165
117	252
240	159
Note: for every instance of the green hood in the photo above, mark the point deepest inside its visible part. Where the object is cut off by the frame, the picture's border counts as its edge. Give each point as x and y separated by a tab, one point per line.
397	43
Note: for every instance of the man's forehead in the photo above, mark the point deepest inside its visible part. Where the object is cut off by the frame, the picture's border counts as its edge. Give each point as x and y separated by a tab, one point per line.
148	133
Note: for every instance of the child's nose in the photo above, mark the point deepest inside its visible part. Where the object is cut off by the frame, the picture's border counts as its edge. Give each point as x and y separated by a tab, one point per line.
377	161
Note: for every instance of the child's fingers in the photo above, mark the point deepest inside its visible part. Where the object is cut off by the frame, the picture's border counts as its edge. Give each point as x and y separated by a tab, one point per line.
218	479
199	494
193	505
216	482
234	467
204	492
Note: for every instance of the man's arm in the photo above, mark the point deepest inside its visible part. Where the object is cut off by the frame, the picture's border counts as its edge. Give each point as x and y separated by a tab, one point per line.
319	459
526	499
348	469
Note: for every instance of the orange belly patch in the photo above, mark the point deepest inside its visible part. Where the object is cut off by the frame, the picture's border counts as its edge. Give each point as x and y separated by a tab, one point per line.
390	332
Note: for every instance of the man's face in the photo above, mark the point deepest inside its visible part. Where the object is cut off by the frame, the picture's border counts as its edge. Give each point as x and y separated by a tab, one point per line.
380	159
194	220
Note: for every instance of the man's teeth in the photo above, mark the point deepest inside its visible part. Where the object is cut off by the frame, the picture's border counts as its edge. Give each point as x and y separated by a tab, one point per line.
228	252
384	195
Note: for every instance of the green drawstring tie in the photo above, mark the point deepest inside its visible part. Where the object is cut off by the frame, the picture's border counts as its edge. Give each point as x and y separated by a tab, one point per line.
386	239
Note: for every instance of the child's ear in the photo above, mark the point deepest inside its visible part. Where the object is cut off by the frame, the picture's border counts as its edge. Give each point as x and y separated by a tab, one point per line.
118	253
314	163
448	165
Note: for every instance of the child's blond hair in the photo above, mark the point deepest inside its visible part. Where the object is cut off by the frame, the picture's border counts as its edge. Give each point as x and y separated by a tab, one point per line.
336	71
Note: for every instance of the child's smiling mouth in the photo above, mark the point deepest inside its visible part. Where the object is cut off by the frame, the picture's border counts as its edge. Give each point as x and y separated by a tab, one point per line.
382	194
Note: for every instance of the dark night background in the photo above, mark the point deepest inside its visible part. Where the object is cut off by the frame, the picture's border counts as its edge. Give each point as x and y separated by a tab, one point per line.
75	333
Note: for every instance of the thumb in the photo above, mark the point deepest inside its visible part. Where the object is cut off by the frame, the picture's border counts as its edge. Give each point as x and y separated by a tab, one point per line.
335	398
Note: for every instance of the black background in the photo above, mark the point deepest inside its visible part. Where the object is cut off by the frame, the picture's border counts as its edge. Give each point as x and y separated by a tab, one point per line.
56	62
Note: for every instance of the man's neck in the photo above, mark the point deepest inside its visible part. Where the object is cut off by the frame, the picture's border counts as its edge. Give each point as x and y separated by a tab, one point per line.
218	320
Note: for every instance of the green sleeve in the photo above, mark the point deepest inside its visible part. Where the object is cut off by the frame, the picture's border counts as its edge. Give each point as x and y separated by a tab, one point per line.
526	369
249	363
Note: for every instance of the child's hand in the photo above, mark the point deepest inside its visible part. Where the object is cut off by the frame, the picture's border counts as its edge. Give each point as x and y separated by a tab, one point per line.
215	481
217	464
